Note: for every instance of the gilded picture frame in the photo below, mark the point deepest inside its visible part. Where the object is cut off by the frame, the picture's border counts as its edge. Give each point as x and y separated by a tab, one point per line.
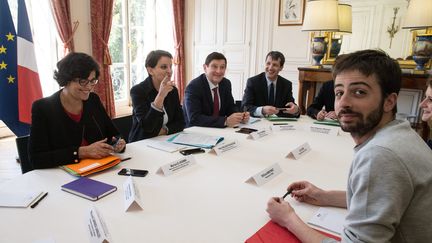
291	12
408	62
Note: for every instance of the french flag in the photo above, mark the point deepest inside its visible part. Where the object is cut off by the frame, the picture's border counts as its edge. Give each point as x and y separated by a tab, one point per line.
29	88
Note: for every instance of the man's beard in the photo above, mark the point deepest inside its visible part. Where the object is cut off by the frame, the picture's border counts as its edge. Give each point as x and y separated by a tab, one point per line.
362	126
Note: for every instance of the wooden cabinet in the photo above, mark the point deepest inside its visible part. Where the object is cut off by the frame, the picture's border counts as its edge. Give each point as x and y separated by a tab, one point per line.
309	77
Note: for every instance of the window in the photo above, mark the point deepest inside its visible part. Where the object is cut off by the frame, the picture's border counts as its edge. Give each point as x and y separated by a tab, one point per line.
138	27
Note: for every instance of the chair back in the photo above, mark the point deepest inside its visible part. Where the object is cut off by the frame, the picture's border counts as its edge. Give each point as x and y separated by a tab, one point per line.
22	147
123	125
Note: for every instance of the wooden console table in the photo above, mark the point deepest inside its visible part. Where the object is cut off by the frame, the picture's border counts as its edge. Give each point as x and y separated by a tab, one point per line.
309	77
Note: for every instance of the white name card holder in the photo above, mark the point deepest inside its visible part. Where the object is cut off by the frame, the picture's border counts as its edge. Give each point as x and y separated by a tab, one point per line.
132	195
265	175
260	133
97	230
334	131
284	127
225	147
177	165
299	151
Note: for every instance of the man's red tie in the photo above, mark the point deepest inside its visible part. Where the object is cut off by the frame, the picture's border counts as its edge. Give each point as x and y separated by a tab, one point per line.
215	102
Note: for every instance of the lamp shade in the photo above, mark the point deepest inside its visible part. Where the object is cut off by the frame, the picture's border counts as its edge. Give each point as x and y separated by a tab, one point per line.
419	15
345	18
321	15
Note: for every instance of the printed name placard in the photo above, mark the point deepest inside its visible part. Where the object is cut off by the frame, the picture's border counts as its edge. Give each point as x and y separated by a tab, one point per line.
260	133
132	195
283	127
324	129
97	230
177	165
265	175
299	151
225	147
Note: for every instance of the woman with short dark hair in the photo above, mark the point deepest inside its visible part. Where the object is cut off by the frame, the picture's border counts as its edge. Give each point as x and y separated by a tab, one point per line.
155	101
72	124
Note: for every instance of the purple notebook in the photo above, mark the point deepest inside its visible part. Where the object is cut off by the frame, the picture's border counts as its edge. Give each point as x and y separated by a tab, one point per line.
88	188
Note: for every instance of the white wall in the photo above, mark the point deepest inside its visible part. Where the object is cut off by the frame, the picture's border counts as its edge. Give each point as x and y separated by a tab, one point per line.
80	11
211	26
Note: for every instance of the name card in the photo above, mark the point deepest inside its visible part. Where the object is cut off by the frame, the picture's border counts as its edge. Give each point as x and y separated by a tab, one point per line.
260	133
177	165
299	151
324	129
132	195
97	230
284	127
225	147
265	175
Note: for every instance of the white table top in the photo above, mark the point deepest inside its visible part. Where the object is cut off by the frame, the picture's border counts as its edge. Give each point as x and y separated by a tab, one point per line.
209	202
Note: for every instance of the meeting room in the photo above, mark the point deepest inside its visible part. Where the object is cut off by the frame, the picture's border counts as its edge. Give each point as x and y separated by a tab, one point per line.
190	121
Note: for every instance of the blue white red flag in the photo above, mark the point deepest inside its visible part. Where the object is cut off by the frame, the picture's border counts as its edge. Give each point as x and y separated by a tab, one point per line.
29	88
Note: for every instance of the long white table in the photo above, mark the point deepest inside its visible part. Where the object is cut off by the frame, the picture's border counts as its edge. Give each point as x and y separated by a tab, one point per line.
209	202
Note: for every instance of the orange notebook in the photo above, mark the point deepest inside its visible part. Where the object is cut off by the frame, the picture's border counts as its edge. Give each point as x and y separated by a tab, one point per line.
274	233
89	166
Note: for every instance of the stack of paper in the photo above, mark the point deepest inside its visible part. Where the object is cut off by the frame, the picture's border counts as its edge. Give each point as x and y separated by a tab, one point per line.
166	146
195	140
330	219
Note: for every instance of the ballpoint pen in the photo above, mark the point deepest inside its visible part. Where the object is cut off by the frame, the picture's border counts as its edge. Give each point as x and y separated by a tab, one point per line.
40	199
286	194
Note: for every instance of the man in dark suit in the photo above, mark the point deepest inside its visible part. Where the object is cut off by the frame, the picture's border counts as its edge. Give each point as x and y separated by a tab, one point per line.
208	100
268	93
323	104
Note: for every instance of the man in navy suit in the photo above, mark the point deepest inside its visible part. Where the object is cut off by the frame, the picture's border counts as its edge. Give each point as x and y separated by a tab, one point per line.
208	101
268	93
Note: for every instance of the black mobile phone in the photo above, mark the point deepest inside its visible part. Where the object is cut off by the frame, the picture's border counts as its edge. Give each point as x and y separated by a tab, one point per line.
133	172
113	142
246	130
192	151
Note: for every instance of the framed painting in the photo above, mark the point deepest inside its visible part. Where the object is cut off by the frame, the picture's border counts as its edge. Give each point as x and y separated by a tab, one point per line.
291	12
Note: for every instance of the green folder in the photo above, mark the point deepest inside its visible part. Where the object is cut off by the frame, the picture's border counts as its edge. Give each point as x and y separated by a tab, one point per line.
280	119
328	122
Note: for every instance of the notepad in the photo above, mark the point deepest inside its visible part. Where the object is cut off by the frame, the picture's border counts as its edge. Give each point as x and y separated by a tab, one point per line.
88	188
18	199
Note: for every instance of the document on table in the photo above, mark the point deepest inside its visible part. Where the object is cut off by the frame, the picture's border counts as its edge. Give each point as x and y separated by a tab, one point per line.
195	139
18	199
166	146
330	219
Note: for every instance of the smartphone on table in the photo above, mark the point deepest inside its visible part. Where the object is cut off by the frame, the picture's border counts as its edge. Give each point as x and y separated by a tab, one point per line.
133	172
192	151
246	130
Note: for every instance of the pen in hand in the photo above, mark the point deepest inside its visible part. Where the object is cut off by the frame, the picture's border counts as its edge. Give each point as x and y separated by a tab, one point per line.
40	199
286	194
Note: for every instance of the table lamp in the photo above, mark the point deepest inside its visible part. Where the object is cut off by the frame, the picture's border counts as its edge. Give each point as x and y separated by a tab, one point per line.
320	15
419	16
